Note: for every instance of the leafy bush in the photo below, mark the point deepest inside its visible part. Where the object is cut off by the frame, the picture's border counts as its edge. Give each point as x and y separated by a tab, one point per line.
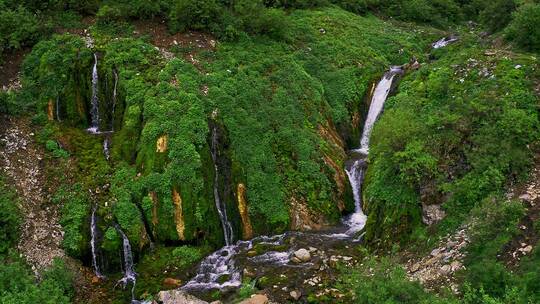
18	284
53	147
382	281
74	217
18	28
523	29
10	217
186	255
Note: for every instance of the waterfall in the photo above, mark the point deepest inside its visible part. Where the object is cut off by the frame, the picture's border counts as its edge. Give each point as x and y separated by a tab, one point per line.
130	276
94	111
376	106
93	240
106	144
356	166
114	98
220	206
219	270
58	108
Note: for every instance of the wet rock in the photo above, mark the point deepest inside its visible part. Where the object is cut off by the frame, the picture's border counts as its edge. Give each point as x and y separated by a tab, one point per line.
303	255
256	299
295	294
178	297
171	283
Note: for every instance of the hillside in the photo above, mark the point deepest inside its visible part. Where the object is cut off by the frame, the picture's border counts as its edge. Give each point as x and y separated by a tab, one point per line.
269	151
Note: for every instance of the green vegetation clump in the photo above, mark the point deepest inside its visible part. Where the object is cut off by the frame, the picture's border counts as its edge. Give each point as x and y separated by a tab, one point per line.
74	219
18	285
383	281
10	217
457	132
523	28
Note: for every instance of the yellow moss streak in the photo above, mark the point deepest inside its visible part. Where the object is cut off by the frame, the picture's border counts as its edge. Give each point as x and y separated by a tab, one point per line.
155	220
161	144
50	110
178	216
247	230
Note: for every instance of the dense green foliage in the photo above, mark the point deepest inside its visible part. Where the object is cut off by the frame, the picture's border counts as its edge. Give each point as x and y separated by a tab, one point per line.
524	28
18	284
382	281
283	77
458	131
9	217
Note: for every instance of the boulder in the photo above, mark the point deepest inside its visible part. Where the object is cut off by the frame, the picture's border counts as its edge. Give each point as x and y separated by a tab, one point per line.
178	297
256	299
171	283
295	294
432	214
303	255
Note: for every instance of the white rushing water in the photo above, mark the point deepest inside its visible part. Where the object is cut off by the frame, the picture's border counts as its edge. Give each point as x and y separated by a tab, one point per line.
376	106
93	240
114	99
106	151
220	206
94	110
444	42
219	270
356	168
130	276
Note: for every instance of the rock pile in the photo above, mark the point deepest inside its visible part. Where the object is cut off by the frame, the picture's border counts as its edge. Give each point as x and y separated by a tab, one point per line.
439	266
20	160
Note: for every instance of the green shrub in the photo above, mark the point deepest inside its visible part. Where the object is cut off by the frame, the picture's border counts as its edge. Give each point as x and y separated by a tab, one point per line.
74	217
186	255
18	284
10	217
382	281
53	147
524	29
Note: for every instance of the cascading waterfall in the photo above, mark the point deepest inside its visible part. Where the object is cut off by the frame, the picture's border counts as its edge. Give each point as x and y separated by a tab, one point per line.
94	110
219	270
130	276
356	167
114	99
376	106
221	208
106	152
93	241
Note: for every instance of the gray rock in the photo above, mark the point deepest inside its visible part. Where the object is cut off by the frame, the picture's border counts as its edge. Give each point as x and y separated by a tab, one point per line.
295	294
178	297
303	255
432	214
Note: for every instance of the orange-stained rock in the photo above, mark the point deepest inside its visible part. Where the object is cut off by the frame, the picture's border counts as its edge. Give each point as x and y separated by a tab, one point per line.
171	283
161	144
50	110
256	299
247	230
178	215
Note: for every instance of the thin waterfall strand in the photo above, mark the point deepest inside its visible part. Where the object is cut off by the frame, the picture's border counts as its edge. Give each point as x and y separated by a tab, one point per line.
220	206
94	110
93	240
